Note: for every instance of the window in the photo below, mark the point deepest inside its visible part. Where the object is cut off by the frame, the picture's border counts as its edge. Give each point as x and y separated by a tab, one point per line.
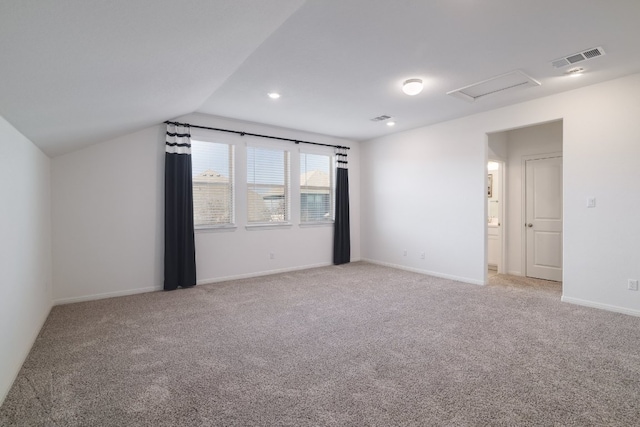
316	189
267	185
212	173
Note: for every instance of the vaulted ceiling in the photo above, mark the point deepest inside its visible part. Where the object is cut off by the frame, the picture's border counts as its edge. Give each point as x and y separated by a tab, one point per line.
75	72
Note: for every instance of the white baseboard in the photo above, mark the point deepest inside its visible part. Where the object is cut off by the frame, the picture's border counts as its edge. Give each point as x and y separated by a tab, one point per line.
427	272
23	355
515	273
93	297
601	306
260	273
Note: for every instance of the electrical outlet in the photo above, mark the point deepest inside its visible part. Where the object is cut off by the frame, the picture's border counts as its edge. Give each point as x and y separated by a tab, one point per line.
272	255
632	285
422	255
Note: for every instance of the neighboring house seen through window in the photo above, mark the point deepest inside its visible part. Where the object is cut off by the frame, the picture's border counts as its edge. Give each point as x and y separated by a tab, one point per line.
212	174
267	185
316	187
267	197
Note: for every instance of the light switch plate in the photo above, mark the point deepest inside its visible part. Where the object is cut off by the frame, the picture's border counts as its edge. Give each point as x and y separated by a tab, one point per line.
591	202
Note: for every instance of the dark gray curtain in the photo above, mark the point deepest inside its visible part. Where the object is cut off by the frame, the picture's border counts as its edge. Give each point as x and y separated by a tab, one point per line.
341	232
179	245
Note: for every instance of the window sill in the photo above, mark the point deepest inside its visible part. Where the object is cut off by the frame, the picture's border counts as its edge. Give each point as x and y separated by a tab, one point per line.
267	226
215	228
315	224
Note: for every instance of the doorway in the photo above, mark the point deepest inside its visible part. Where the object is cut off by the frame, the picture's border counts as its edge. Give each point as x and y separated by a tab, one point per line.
513	148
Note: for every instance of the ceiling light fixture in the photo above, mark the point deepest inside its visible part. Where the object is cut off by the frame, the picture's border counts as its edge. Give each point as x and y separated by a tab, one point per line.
391	124
575	72
412	86
274	95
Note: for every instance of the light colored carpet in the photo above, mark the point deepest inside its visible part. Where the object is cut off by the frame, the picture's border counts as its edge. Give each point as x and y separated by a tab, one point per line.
358	344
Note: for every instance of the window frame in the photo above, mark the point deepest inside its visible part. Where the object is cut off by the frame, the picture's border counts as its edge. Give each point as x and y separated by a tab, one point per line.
287	185
330	153
206	137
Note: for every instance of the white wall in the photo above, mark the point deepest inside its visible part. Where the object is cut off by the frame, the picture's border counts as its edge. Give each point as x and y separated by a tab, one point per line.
498	146
25	249
107	216
421	187
108	219
425	191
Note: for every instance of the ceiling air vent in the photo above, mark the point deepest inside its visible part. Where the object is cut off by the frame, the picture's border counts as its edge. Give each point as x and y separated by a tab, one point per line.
594	52
512	80
381	118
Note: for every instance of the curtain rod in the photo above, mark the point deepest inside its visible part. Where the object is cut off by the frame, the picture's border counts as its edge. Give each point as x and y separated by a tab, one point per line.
297	141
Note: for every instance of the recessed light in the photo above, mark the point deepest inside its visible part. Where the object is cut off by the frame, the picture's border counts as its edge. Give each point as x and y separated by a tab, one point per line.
274	95
575	72
412	86
391	124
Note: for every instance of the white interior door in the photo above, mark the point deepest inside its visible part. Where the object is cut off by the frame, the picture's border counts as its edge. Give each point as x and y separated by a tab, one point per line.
543	200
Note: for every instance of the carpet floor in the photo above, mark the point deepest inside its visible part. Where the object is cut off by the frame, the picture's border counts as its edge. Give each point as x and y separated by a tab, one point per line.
358	344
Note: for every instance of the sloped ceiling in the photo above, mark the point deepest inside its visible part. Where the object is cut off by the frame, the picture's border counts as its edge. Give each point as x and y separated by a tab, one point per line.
77	72
74	73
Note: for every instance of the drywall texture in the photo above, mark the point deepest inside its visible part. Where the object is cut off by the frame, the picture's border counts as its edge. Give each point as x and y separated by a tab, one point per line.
425	192
108	219
25	249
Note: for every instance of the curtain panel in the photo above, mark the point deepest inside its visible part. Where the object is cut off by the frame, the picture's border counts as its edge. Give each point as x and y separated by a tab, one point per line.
341	232
179	243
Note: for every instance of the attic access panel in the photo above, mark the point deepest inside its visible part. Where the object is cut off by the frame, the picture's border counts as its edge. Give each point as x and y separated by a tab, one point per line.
509	81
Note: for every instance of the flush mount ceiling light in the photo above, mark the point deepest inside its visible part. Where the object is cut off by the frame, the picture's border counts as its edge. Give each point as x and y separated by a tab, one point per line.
412	86
274	95
391	124
575	72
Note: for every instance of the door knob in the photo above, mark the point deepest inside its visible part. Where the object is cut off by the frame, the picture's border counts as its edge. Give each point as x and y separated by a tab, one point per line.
529	225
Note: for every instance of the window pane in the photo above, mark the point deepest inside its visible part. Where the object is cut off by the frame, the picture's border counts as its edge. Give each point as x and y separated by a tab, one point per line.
316	189
212	174
267	185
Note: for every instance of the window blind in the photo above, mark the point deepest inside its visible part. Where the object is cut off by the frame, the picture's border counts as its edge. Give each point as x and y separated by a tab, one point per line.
316	187
267	185
212	173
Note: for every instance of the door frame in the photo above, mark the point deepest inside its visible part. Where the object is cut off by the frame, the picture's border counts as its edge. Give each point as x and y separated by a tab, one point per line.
523	219
502	267
502	173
